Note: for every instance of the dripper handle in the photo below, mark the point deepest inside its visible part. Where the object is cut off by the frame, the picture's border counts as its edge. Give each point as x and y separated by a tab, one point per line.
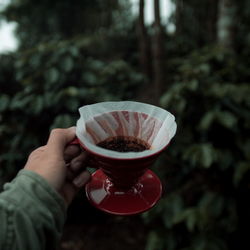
75	142
91	161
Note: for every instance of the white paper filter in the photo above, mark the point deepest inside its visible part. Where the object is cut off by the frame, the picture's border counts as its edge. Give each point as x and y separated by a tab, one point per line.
149	123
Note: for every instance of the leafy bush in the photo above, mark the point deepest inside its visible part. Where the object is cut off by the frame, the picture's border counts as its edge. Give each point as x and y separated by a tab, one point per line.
47	85
207	165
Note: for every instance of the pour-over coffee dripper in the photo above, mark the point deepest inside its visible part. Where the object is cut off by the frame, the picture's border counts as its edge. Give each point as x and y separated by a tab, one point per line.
123	184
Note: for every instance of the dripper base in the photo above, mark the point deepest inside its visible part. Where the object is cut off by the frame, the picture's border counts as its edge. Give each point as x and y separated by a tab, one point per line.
103	195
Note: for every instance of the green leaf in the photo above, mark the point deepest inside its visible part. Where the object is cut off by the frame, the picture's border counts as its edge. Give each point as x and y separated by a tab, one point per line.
241	169
35	60
15	141
4	102
201	155
67	64
52	75
171	207
207	155
191	220
207	120
227	119
204	68
188	216
165	99
211	203
63	121
71	91
180	105
74	51
19	75
20	101
37	104
154	242
90	78
193	85
49	99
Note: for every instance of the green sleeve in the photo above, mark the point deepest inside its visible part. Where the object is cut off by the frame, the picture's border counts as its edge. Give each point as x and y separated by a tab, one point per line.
32	214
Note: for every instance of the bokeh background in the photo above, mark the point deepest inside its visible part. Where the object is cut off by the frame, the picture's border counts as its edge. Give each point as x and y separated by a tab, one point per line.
196	64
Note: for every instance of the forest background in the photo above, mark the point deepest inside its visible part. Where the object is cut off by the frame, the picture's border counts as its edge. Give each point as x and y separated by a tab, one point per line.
73	53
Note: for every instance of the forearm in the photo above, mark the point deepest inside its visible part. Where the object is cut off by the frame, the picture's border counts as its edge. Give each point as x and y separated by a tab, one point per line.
32	214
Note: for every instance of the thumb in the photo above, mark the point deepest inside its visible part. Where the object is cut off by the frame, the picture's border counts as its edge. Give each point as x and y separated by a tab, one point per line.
59	138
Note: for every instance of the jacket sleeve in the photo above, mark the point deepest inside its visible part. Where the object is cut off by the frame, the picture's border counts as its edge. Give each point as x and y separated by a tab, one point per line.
32	214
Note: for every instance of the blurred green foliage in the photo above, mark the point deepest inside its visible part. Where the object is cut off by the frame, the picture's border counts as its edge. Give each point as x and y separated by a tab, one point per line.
208	164
50	83
205	171
46	20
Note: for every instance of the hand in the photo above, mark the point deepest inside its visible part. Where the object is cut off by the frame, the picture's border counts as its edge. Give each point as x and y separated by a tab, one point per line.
62	165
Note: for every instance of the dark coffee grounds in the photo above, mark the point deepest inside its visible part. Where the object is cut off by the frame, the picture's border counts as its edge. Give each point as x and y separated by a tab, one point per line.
124	144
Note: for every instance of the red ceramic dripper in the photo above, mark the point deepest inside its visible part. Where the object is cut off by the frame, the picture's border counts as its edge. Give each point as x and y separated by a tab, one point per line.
123	184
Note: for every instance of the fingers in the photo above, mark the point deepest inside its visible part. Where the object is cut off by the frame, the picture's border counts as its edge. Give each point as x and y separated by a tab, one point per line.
70	175
70	189
71	152
77	165
79	162
82	179
59	138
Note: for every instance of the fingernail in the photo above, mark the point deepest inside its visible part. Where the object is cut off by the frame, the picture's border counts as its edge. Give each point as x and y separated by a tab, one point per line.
76	165
78	181
82	179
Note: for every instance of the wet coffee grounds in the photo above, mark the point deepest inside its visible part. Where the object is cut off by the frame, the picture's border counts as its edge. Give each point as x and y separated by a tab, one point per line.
124	144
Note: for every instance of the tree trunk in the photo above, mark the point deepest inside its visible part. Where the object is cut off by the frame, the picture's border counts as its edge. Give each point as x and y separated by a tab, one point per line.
158	54
144	47
178	17
211	21
225	24
196	20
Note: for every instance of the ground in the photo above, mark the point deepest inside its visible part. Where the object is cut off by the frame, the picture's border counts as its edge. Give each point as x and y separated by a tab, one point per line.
90	229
